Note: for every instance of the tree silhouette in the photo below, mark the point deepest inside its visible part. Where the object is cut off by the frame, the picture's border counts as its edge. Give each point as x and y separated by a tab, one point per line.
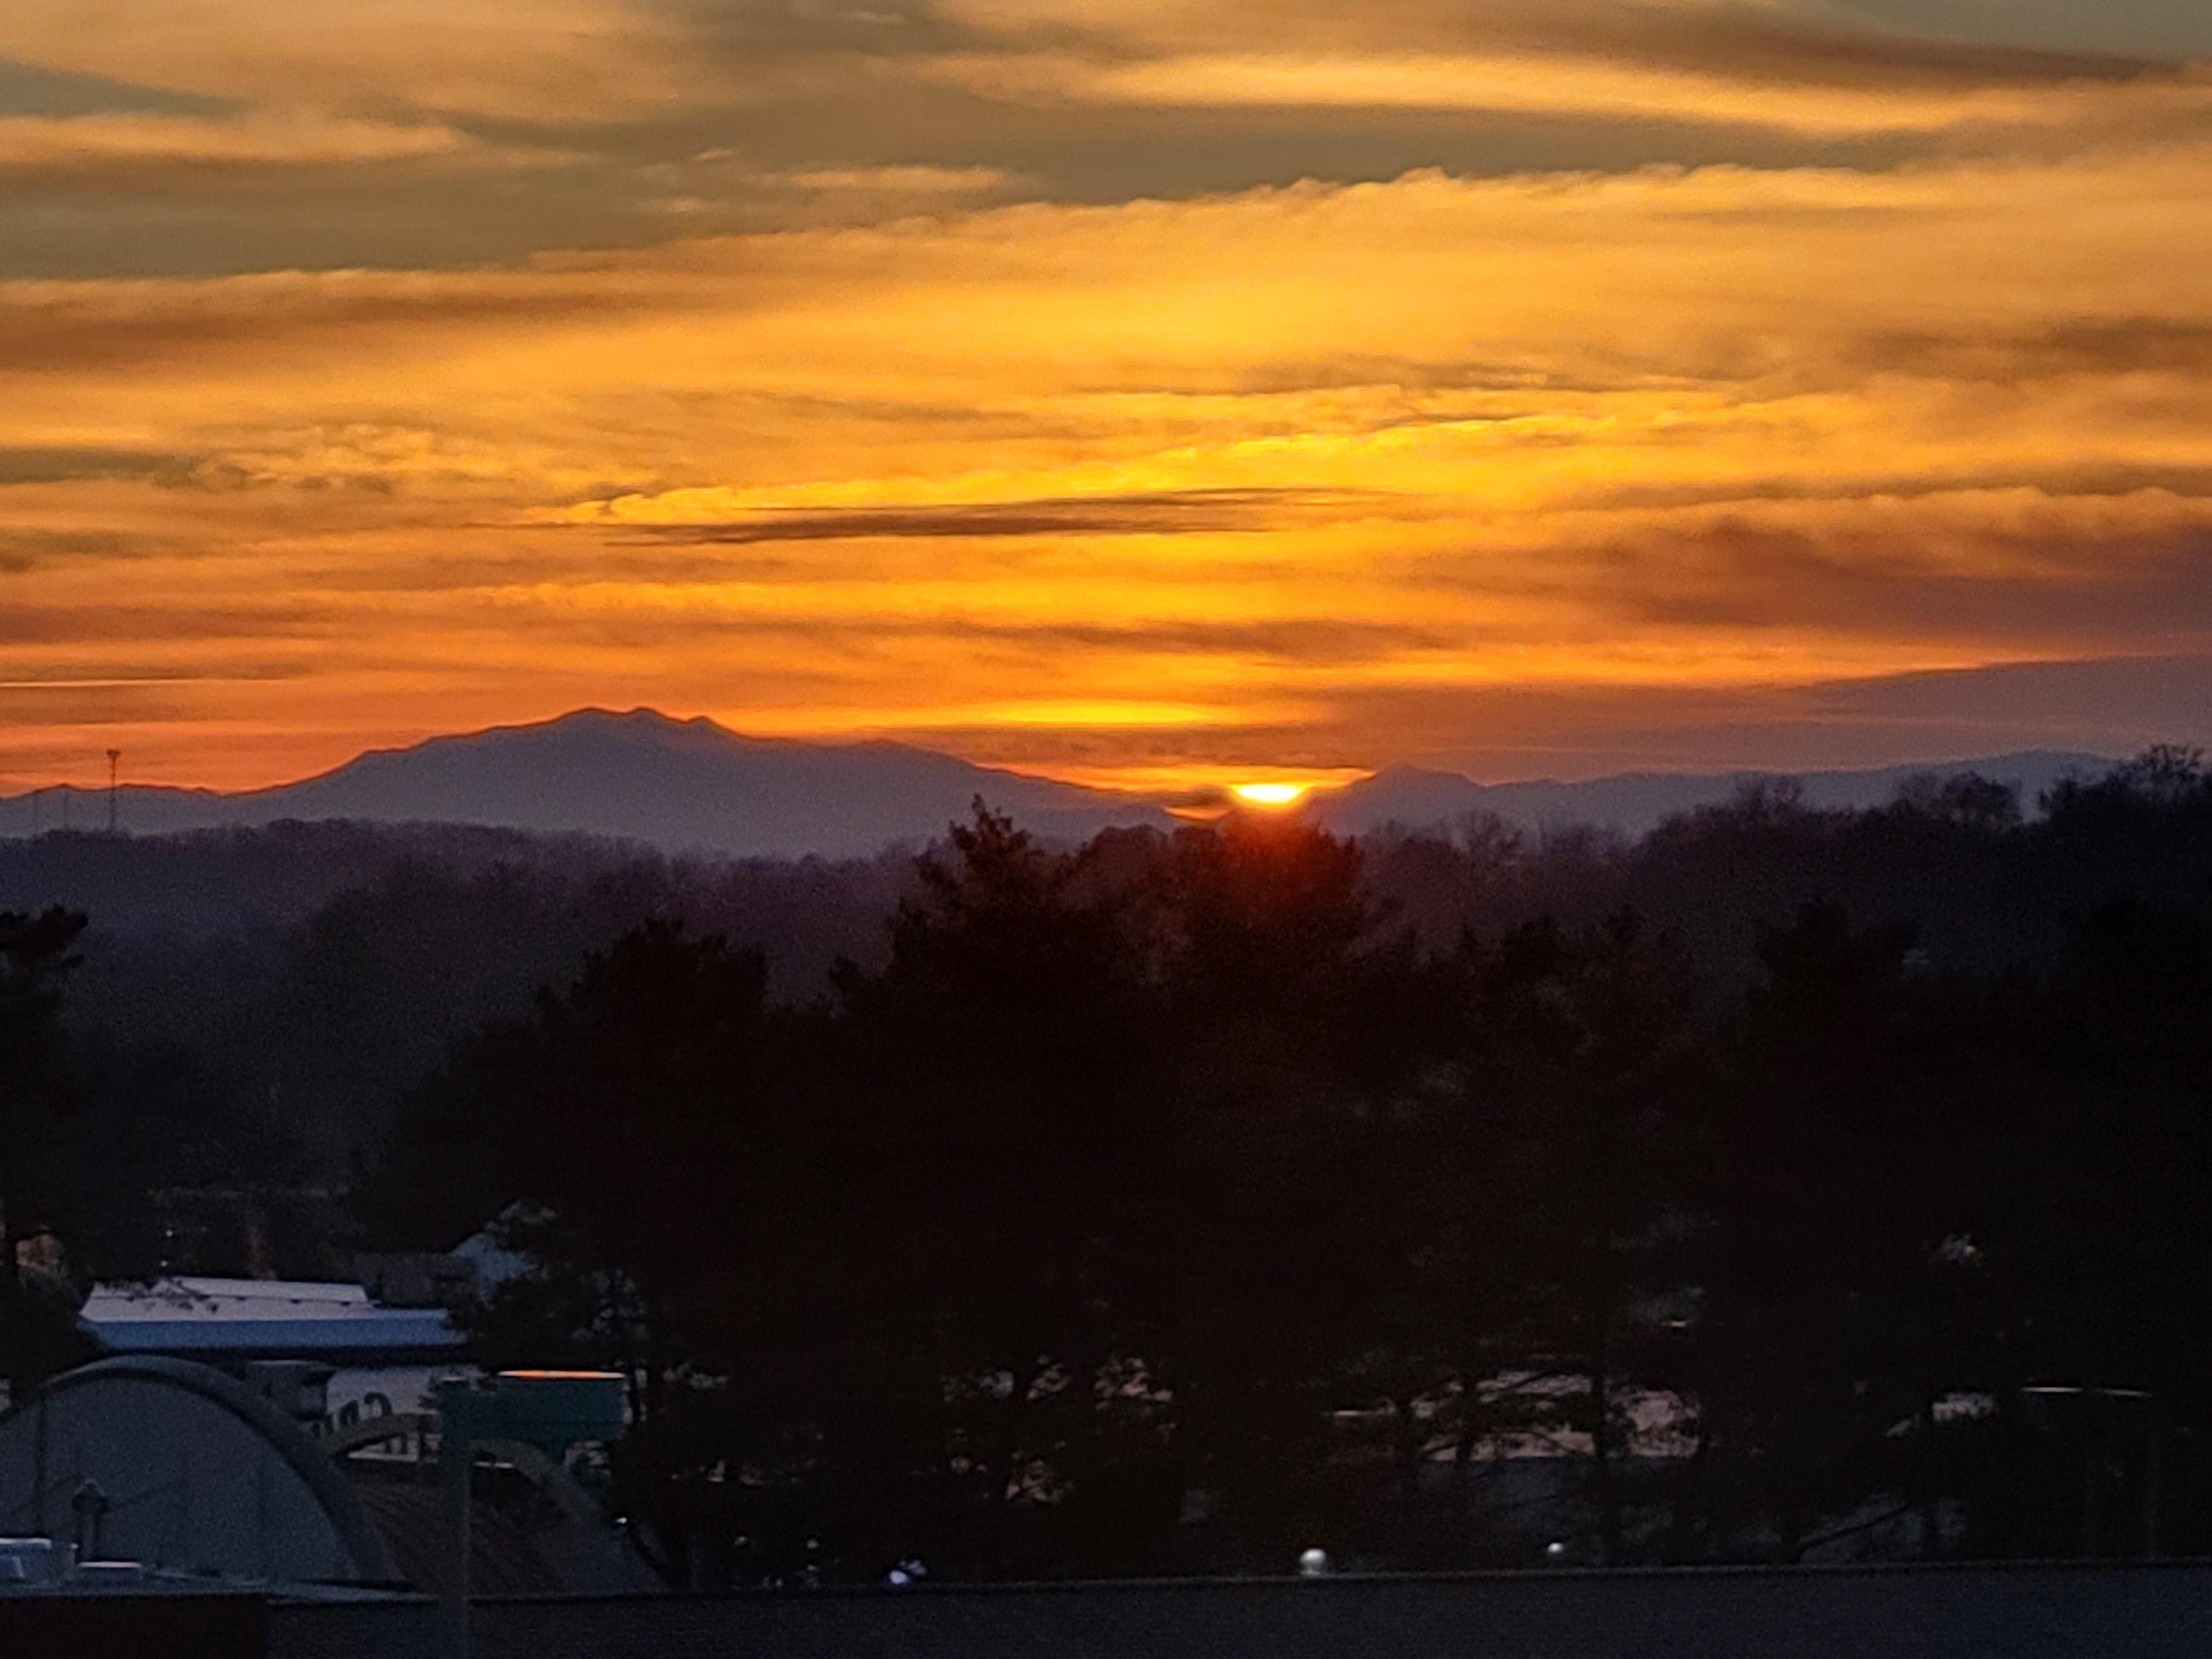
1840	1150
36	1091
1000	1140
1178	1200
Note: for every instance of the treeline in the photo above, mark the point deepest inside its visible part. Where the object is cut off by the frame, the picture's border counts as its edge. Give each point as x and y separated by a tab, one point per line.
258	1000
247	1006
1175	1203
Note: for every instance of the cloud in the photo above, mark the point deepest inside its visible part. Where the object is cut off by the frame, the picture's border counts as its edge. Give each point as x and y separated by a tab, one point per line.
1762	66
1584	87
390	133
44	466
1316	471
155	151
1829	48
78	626
2052	480
1760	38
493	58
92	325
2066	346
904	180
21	551
2167	28
717	191
27	90
2017	570
694	515
2108	706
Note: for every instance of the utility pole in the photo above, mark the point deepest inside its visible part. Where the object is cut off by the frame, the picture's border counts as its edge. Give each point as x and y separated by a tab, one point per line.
550	1411
456	1459
115	759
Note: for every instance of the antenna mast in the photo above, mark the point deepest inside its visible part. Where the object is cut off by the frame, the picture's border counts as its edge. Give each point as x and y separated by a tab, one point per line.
115	758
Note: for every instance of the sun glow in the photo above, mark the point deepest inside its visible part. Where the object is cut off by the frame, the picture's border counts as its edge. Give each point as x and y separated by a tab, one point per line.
1270	795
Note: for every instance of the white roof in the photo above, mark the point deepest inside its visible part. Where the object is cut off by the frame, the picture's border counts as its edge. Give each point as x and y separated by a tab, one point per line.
252	1316
228	1298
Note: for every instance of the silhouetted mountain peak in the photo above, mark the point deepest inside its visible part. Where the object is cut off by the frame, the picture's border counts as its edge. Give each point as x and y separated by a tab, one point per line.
640	775
686	784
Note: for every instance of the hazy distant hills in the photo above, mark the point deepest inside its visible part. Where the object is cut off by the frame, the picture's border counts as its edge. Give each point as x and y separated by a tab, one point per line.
1634	802
680	785
691	785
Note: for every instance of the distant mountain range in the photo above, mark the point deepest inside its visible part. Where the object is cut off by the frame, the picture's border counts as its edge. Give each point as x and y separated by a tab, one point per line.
683	786
1634	802
695	786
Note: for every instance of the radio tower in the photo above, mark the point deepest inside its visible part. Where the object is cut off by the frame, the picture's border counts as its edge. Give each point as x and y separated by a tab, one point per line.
114	757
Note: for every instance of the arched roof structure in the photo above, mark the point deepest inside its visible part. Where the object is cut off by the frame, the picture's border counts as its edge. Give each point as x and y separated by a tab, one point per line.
197	1475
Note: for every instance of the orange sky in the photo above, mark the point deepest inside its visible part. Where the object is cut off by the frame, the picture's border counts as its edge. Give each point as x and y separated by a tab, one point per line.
1147	391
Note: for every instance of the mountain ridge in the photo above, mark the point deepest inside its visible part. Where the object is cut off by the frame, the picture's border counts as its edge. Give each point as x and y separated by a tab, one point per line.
1634	803
637	774
692	785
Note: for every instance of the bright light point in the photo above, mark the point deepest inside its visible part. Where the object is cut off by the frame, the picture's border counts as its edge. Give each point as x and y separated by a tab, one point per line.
1271	794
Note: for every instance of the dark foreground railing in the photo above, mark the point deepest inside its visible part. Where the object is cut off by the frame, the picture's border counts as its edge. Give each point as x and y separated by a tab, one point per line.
2088	1611
55	1624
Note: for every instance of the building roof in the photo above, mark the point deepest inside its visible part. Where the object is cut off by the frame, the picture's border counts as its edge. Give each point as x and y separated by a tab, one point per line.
197	1475
415	1524
265	1319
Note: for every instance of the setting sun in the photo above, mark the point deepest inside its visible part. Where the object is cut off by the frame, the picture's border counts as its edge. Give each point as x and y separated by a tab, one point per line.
1271	794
